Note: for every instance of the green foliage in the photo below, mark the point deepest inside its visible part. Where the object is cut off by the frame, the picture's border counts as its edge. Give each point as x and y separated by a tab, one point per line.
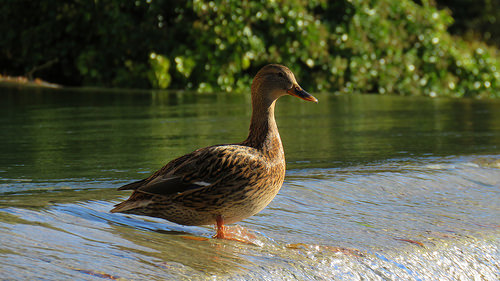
402	47
159	75
377	46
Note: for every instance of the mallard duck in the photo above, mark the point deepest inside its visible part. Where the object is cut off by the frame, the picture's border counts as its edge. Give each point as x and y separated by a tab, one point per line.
226	183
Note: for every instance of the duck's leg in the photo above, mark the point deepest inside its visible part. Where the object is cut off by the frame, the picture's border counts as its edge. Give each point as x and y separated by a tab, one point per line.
228	234
220	228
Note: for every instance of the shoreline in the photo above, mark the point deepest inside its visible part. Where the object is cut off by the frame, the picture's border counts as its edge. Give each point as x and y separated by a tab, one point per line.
24	81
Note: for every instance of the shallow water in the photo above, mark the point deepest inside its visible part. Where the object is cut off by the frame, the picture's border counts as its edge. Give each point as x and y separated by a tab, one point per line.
377	188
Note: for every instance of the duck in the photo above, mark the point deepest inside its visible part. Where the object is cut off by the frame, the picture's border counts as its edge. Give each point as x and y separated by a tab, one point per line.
226	183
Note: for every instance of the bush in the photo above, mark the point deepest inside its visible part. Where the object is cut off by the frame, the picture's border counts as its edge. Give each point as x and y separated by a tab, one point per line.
378	46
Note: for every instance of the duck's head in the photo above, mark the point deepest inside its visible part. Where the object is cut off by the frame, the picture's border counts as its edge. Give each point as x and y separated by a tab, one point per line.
274	81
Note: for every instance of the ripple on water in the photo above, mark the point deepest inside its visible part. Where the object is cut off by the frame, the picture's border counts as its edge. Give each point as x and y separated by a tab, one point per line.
426	219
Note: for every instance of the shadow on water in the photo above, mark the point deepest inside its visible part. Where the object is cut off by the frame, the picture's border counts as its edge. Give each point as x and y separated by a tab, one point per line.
376	188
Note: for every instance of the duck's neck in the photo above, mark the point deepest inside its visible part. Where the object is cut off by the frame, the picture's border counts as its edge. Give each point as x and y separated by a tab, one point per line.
263	133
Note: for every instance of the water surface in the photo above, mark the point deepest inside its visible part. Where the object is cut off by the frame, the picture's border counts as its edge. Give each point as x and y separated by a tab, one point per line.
377	187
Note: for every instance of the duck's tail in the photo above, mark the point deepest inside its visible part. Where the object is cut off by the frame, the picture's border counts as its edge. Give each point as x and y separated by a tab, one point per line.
134	204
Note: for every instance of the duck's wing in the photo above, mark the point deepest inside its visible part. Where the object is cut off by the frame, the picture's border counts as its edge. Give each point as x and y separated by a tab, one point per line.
216	165
158	176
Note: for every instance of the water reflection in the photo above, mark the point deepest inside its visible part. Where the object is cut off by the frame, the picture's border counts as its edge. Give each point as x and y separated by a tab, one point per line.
376	188
406	217
70	134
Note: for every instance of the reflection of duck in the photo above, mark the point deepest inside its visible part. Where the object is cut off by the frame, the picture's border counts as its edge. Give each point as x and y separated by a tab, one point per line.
223	183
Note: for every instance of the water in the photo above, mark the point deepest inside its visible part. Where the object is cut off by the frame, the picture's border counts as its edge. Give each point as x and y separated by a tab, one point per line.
377	188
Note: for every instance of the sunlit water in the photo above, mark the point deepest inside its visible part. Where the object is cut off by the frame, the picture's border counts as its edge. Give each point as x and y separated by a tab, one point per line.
377	188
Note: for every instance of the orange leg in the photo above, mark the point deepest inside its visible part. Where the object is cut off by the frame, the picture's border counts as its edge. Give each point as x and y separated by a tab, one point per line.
222	233
220	228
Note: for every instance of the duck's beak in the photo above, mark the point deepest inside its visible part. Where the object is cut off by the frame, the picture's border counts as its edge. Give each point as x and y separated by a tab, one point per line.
297	91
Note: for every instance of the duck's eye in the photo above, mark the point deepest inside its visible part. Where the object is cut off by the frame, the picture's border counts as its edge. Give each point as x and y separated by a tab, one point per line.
281	74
